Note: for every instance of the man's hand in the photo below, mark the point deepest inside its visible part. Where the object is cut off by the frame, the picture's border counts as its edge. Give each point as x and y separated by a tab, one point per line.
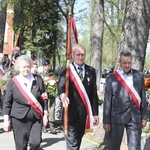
6	123
64	99
144	122
96	120
45	120
106	127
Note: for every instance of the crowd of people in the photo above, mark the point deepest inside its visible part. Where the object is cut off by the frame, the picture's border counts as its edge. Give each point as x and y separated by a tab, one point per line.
30	97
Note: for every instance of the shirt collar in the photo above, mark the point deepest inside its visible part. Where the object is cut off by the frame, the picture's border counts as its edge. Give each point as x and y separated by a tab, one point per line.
76	66
123	73
29	78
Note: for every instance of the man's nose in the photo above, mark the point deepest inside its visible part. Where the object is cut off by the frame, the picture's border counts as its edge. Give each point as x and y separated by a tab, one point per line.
80	56
128	64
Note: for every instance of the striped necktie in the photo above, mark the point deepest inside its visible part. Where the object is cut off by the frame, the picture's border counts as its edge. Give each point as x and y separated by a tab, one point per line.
80	72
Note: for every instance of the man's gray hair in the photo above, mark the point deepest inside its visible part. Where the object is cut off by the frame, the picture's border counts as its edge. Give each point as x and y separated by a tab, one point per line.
78	46
125	54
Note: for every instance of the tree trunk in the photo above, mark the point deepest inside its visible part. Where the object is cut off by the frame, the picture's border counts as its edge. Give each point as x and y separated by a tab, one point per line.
96	36
135	30
2	23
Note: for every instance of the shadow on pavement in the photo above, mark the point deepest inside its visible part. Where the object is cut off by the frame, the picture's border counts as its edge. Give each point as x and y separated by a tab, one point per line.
1	130
46	142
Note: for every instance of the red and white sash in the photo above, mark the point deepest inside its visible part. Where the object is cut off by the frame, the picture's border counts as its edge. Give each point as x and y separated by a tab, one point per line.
28	95
83	94
1	70
130	89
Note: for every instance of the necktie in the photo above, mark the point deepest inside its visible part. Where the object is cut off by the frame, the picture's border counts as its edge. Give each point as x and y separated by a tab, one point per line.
80	72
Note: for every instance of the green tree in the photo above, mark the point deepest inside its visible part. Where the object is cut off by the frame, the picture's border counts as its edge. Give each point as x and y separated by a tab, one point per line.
114	14
38	21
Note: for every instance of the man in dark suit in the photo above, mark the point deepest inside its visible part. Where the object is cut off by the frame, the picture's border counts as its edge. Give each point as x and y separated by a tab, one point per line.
82	101
125	104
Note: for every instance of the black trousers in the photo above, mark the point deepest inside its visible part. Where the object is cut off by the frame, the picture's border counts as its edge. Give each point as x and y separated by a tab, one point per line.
2	95
76	131
133	136
27	130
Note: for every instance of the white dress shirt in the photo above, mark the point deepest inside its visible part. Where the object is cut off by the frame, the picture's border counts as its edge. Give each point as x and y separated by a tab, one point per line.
27	80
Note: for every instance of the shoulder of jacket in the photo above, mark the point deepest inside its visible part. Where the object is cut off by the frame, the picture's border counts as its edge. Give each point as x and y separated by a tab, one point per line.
90	67
11	81
62	70
137	71
37	76
110	75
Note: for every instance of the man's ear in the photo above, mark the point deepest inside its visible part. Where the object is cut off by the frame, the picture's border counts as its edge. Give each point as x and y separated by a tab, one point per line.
118	61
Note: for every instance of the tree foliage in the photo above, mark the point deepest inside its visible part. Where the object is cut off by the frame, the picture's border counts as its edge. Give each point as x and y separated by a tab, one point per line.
114	14
39	22
43	27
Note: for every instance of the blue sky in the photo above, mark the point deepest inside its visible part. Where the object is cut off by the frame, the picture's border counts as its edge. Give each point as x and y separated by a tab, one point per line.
81	9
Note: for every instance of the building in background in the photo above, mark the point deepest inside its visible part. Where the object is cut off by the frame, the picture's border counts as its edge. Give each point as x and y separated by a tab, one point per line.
9	32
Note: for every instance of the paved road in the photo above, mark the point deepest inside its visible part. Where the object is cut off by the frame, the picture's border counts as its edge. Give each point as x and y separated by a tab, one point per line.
50	141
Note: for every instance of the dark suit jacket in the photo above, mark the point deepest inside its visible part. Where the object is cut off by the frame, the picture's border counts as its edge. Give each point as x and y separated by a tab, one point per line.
15	103
119	107
76	109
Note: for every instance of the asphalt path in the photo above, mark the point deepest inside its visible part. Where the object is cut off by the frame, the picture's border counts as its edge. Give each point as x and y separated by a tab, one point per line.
50	141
